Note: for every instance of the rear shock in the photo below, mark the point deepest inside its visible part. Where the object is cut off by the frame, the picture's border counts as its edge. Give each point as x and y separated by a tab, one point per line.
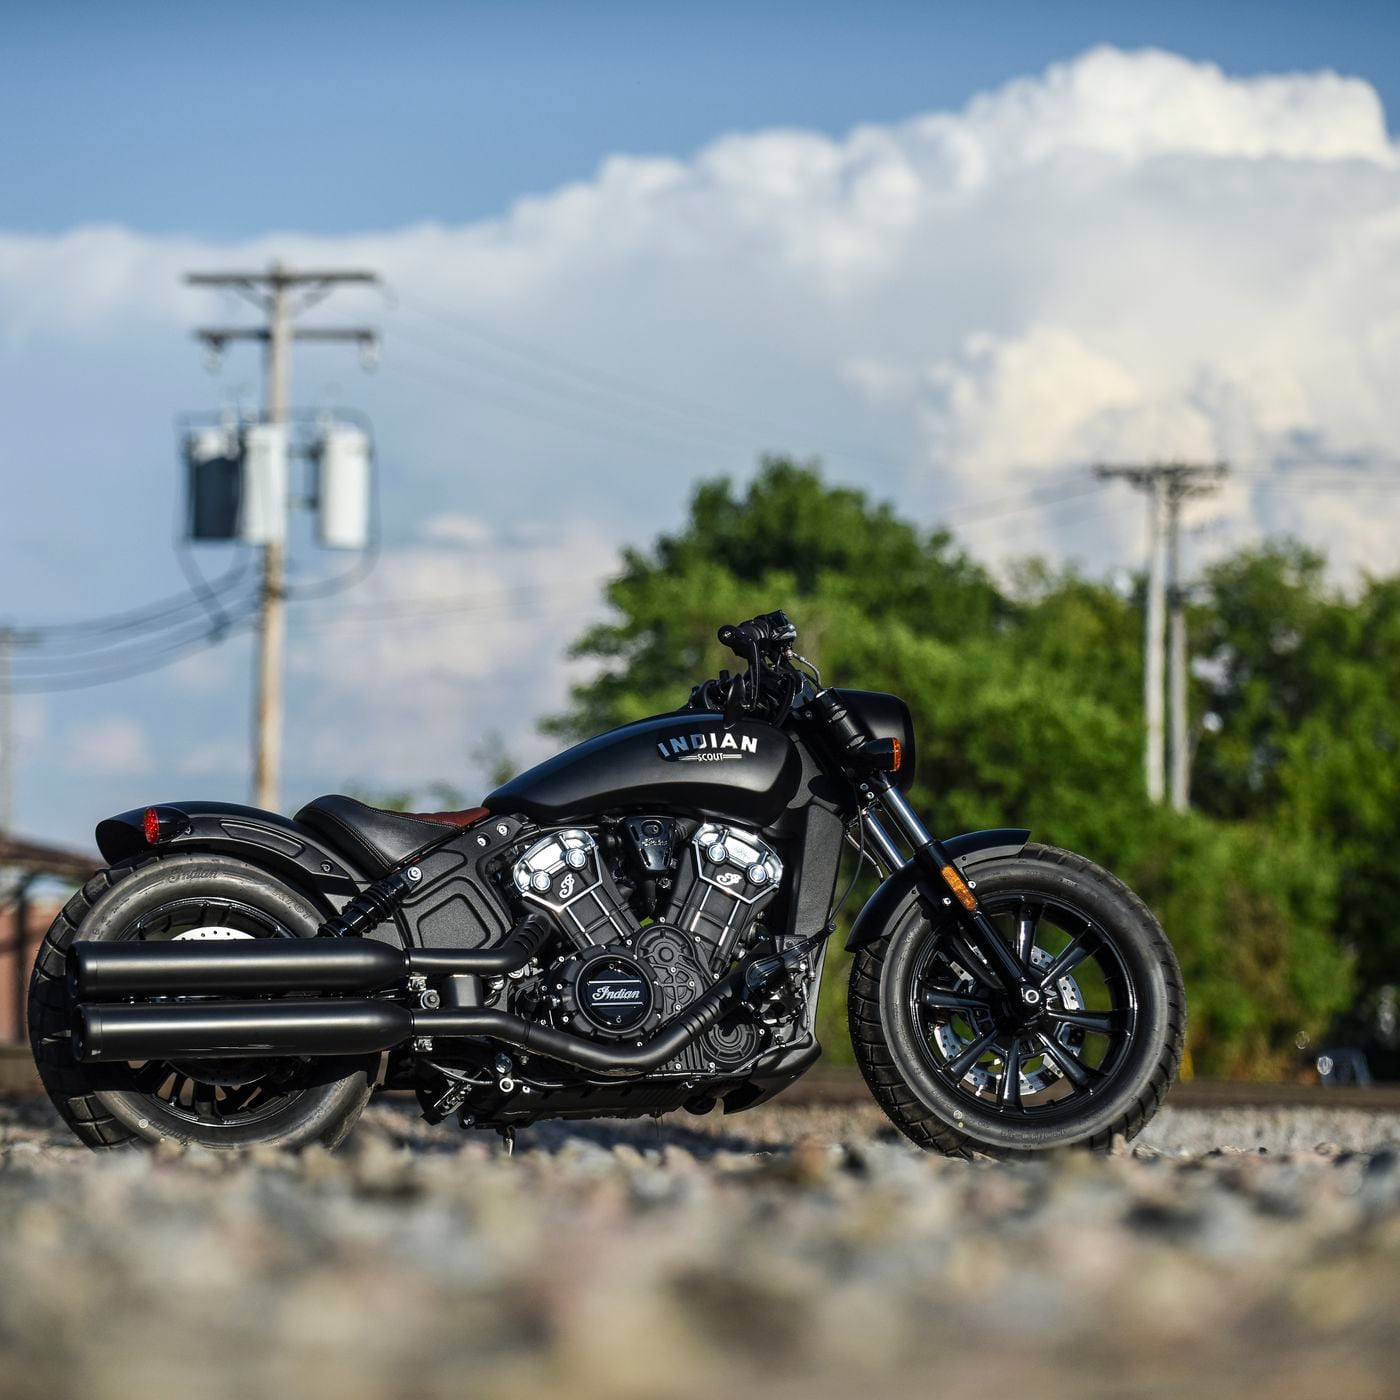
372	905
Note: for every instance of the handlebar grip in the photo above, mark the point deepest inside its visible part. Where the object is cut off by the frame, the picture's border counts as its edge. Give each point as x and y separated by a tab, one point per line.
739	637
764	630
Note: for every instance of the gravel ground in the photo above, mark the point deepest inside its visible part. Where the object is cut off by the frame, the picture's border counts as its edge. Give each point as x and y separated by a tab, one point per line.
806	1251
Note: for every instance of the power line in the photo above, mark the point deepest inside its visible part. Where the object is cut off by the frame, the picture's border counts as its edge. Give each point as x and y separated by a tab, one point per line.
39	665
430	606
153	615
127	669
573	399
567	416
546	359
1047	496
91	648
1277	481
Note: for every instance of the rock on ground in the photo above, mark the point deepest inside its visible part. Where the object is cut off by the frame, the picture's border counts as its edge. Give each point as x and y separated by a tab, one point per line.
790	1252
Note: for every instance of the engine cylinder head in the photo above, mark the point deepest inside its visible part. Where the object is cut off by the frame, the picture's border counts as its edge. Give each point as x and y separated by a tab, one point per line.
734	873
564	873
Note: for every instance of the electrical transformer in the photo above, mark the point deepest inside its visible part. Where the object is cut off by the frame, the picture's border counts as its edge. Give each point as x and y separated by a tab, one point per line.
262	516
342	459
214	470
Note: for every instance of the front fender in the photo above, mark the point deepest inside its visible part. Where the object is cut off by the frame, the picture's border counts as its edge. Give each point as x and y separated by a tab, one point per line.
266	839
969	849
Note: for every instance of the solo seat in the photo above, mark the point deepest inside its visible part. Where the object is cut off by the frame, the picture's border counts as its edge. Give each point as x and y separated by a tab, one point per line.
379	840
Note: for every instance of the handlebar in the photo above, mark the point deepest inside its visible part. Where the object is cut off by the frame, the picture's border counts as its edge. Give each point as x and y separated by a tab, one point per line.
772	691
765	637
769	632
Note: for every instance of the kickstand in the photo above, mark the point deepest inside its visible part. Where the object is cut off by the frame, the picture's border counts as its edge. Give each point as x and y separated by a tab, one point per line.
507	1140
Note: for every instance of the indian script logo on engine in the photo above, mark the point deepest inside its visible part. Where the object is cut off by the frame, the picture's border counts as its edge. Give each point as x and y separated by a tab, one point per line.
706	747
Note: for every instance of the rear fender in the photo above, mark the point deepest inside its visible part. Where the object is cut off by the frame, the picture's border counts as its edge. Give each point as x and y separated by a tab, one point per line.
265	839
968	850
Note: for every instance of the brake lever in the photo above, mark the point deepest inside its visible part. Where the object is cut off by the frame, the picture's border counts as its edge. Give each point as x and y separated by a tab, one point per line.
733	699
753	678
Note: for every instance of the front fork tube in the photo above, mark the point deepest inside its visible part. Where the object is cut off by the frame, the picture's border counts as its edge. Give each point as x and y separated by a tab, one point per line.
941	882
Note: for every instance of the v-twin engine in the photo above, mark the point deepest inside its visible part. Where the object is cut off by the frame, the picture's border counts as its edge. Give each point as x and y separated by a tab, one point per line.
707	885
719	883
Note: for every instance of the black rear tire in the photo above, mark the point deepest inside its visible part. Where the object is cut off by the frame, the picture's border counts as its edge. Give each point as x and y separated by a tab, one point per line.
941	1116
99	1102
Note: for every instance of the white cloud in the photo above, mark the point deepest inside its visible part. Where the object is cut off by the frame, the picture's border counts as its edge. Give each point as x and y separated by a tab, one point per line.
452	638
1136	106
1130	255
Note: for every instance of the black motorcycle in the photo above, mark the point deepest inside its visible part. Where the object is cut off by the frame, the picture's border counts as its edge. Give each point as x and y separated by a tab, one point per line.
635	926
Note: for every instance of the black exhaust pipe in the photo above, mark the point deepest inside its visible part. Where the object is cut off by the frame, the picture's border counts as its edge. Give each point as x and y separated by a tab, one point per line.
248	966
250	1030
268	1029
704	1013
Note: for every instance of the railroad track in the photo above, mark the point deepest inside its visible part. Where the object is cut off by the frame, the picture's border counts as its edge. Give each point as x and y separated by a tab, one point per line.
833	1087
837	1088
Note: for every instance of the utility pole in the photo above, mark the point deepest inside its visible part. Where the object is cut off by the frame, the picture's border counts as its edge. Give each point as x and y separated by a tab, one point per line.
1167	485
275	293
7	735
1176	660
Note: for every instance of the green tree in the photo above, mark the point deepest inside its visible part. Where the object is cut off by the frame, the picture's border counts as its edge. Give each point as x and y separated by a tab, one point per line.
789	535
1305	681
1026	699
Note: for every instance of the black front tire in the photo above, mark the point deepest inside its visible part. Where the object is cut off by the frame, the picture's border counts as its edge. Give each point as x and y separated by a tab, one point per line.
937	1116
98	1101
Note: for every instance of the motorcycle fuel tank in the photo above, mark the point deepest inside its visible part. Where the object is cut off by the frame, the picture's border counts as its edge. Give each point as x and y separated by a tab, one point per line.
747	772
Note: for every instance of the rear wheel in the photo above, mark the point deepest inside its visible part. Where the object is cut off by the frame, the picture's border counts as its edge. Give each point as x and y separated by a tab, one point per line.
215	1103
1086	1051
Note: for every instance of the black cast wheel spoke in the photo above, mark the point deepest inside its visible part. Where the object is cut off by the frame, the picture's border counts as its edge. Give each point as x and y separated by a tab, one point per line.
151	1075
205	1099
1027	921
969	961
1078	1074
1096	1022
1077	950
1038	1028
940	1000
1009	1090
969	1055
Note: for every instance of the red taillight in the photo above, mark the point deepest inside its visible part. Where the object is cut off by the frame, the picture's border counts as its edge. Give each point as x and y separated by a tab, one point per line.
150	824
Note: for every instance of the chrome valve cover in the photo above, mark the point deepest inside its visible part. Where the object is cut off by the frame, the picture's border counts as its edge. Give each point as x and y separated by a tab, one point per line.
735	874
564	873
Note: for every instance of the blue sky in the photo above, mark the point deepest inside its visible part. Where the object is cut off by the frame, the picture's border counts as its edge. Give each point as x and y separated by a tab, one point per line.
957	252
232	120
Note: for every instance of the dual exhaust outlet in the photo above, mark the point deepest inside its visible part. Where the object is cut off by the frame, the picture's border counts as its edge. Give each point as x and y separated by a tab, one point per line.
108	1029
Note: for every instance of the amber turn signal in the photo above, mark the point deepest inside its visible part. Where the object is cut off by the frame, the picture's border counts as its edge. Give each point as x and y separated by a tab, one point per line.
959	887
882	755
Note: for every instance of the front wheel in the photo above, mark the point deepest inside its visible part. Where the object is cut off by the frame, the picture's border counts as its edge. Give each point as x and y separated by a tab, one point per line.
1084	1055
